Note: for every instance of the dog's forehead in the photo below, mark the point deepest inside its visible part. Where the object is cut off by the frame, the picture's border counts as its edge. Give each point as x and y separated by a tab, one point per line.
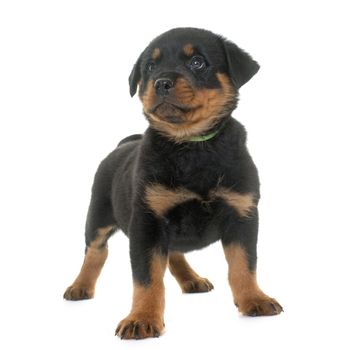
186	41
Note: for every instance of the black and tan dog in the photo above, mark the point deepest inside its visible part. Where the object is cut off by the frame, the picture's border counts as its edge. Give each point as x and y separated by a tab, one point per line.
186	183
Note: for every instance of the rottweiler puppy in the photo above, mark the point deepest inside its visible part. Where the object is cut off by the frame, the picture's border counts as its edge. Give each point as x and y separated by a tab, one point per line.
187	182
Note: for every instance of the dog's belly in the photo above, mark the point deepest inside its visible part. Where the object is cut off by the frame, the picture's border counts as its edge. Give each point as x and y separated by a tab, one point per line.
192	225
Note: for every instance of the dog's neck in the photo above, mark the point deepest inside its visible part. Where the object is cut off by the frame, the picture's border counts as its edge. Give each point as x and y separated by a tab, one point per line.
206	137
202	138
210	134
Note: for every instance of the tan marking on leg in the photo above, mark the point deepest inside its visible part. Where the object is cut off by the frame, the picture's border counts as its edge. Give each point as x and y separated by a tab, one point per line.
156	53
146	318
160	199
189	280
243	203
96	254
248	297
188	50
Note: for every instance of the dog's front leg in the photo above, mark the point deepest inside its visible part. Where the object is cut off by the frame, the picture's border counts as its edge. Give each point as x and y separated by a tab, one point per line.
239	244
148	261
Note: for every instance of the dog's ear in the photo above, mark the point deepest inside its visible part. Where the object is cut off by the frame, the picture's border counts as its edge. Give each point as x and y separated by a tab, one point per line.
135	76
241	66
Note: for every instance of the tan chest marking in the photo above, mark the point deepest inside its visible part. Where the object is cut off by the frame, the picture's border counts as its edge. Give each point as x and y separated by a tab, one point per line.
242	203
161	199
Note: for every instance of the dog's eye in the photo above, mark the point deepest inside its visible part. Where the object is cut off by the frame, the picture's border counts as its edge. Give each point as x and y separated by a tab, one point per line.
150	66
197	62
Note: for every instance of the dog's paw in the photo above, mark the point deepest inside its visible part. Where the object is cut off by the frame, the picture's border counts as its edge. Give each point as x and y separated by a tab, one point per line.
197	285
78	293
260	306
139	327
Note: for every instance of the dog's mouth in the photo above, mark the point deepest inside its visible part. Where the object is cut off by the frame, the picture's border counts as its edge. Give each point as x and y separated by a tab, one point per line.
170	112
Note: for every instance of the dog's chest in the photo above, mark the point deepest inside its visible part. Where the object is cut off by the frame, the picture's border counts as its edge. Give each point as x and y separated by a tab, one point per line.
195	193
198	171
192	221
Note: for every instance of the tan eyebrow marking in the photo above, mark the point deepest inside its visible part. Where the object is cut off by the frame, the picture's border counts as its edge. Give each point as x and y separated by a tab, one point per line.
188	50
156	53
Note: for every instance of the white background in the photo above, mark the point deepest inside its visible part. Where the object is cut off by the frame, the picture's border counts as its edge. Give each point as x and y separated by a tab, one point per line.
64	105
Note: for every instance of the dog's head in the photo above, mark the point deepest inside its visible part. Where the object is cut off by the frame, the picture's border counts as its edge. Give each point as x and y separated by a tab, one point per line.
188	81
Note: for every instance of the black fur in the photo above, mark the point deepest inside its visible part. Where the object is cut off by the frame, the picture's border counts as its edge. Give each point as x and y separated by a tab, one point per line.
223	55
187	182
241	66
119	187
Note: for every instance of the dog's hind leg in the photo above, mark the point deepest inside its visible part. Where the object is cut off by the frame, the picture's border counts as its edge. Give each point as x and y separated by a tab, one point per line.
100	225
189	280
95	256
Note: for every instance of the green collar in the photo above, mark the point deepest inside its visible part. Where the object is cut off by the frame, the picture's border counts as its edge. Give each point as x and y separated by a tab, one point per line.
202	138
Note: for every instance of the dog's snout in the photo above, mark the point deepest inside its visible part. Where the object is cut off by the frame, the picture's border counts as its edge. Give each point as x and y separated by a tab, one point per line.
163	85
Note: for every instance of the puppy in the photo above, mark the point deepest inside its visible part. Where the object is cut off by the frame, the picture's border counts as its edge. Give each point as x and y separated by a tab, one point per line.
187	182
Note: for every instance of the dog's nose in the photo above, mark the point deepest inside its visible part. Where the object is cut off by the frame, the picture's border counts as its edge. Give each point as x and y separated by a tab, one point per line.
163	86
